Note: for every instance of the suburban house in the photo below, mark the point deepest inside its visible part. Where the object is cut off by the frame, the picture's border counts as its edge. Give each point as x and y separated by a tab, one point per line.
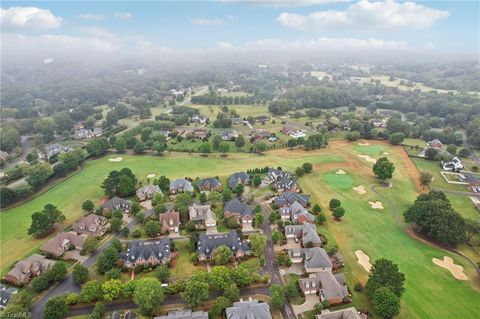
209	184
170	221
180	185
314	259
229	135
296	213
242	212
307	233
97	131
238	178
25	270
147	253
287	183
63	242
251	309
347	313
262	118
184	314
198	118
82	134
261	135
436	143
93	225
200	133
208	243
5	295
117	203
292	132
202	215
52	150
328	286
455	165
147	192
288	198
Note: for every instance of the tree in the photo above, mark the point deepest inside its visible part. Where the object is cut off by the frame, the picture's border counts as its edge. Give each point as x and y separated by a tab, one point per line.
240	141
125	231
299	171
452	149
204	148
139	148
278	296
431	153
107	259
148	294
10	138
232	292
472	228
63	121
164	183
152	228
113	273
222	255
334	203
396	138
217	139
226	195
316	209
98	146
90	245
80	274
220	277
258	243
162	273
120	144
257	180
385	273
464	152
261	147
98	311
115	224
159	147
38	174
353	136
112	289
320	219
224	147
120	183
55	308
91	291
88	205
291	142
46	127
44	221
276	237
219	305
73	159
386	303
202	198
425	179
196	290
338	213
239	189
258	219
291	289
383	169
307	167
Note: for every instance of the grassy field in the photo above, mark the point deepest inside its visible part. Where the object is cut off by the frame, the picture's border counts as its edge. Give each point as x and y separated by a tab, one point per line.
242	110
384	79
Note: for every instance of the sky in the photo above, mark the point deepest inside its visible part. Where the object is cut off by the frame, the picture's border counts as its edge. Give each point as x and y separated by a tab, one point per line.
95	27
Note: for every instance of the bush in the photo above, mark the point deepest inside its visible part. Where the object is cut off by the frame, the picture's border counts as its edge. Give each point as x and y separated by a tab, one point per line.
334	203
358	287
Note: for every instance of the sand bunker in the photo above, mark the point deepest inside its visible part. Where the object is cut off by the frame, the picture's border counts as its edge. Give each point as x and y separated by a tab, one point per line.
360	189
376	205
385	153
363	144
340	172
363	260
115	159
368	158
151	175
455	270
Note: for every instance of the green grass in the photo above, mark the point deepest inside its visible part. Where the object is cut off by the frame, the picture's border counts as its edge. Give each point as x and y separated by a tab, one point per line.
183	265
242	110
338	180
371	150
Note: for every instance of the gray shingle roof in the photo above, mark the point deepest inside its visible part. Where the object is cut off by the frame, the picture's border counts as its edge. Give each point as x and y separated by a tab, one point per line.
307	231
326	283
238	208
314	257
213	182
117	203
236	178
207	243
5	295
158	249
348	313
248	310
184	314
181	185
288	198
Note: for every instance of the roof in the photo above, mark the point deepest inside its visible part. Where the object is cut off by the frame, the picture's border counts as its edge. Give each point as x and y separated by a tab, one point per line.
148	191
288	198
181	184
314	257
6	294
307	231
116	203
327	283
115	315
158	249
91	223
213	182
236	178
347	313
35	263
169	219
248	310
236	207
57	245
208	243
184	314
201	212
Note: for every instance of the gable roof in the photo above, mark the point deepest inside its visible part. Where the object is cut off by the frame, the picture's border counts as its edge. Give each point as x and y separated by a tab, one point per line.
91	223
236	207
307	231
116	203
288	198
327	283
314	257
158	249
148	191
56	245
169	219
248	310
184	314
6	294
207	243
33	264
347	313
213	182
181	184
201	212
236	178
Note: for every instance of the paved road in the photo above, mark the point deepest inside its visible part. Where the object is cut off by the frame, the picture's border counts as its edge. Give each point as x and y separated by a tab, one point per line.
67	284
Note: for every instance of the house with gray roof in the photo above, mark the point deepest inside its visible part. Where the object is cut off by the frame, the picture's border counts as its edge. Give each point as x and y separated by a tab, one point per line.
209	184
287	199
296	213
180	185
82	134
117	203
307	233
147	192
202	215
208	243
242	212
326	285
314	259
251	309
184	314
5	295
147	252
26	269
54	149
238	178
347	313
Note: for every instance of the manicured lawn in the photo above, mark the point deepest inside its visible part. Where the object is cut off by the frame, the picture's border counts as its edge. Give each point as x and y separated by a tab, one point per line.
372	150
338	180
242	110
183	264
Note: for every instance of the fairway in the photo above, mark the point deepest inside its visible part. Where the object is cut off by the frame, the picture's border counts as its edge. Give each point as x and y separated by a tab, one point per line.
338	180
369	149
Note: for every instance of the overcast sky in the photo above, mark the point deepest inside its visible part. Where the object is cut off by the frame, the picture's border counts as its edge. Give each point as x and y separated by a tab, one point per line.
91	27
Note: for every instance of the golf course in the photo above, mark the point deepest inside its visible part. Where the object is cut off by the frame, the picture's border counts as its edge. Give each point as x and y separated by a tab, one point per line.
377	232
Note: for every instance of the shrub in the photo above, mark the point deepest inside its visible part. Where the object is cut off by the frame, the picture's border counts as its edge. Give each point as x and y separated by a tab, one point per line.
334	203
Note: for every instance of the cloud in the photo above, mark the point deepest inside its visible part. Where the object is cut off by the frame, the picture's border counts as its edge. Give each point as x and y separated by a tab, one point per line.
91	16
365	15
286	3
213	21
28	19
224	45
126	16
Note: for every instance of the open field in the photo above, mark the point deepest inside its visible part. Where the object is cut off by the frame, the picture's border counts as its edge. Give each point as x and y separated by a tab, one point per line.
242	110
430	290
384	79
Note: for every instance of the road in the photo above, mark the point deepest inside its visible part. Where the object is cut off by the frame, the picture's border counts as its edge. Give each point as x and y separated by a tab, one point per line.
67	284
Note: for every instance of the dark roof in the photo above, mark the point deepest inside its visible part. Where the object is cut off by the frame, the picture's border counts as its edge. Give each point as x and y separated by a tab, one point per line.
207	243
209	181
6	294
116	203
288	198
248	310
184	314
237	207
236	178
115	315
181	184
160	249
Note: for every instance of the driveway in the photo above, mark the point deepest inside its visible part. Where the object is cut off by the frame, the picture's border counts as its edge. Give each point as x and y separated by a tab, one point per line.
296	269
291	244
310	301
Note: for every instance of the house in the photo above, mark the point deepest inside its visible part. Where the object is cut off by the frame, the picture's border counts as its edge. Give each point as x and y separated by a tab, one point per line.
180	185
242	212
82	134
251	309
184	314
115	315
237	120
287	199
229	135
261	135
202	215
455	165
5	295
262	118
328	286
347	313
63	242
198	118
93	225
117	203
437	144
296	213
97	132
25	270
274	174
288	129
170	221
208	243
130	315
238	178
209	184
306	232
473	183
53	149
147	192
314	259
147	253
287	183
344	125
199	133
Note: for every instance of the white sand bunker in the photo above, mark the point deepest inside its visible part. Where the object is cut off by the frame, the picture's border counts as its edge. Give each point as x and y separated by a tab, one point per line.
385	153
363	260
368	158
360	189
363	144
340	172
455	270
376	205
151	175
115	159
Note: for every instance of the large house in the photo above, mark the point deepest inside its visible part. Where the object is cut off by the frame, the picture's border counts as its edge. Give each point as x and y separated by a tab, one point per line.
282	180
198	118
147	192
170	221
25	270
209	184
117	203
52	150
199	133
63	242
242	212
261	135
184	314
262	118
288	198
437	144
314	259
251	309
347	313
296	213
180	185
455	165
147	253
229	135
82	134
307	233
328	286
5	295
238	178
202	215
93	225
208	243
